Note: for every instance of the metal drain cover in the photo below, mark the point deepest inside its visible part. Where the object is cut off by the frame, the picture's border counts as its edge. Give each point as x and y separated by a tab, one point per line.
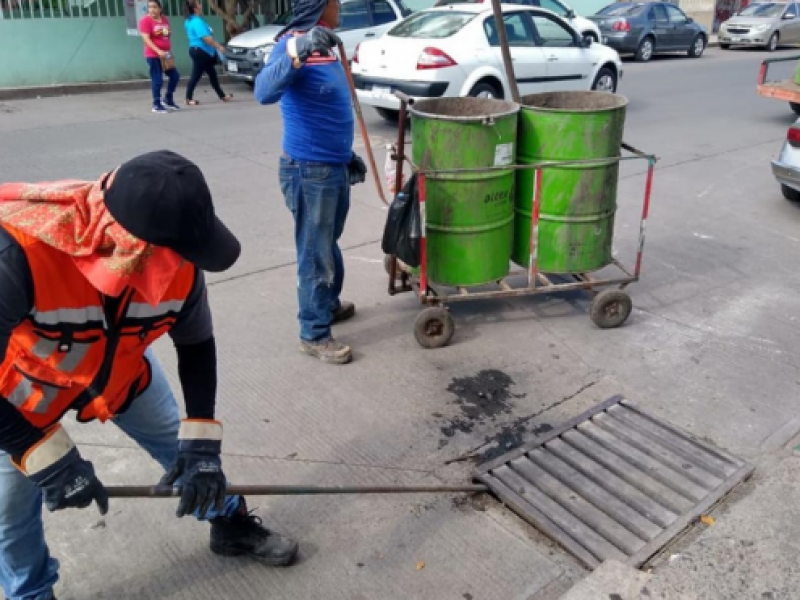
615	482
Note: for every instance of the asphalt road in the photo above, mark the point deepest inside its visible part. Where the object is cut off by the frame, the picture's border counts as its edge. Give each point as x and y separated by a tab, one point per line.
711	345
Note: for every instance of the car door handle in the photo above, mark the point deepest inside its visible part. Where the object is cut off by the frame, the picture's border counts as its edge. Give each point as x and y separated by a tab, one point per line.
552	57
370	34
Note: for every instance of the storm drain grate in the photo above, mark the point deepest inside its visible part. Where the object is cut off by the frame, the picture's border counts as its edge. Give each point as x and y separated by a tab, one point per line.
615	482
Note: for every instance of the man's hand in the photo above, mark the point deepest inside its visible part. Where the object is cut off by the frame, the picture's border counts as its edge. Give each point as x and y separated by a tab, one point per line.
356	169
66	479
318	39
198	468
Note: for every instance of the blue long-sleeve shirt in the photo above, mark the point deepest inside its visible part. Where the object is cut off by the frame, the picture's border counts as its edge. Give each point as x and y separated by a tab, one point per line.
315	104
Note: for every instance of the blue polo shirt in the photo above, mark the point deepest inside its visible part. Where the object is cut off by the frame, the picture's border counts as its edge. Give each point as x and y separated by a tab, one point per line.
315	104
196	30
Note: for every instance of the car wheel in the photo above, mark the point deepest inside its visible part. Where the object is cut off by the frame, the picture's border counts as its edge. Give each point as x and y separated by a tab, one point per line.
484	90
795	107
388	114
697	47
590	35
725	46
606	81
791	194
772	44
645	50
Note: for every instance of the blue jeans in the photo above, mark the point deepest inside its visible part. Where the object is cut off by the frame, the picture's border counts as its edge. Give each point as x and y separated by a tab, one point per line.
318	195
157	80
27	571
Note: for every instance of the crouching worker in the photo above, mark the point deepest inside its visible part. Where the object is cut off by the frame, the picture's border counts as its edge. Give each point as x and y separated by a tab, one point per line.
91	274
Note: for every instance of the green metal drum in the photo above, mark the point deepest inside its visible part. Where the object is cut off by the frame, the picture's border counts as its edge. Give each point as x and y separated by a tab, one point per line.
469	216
578	202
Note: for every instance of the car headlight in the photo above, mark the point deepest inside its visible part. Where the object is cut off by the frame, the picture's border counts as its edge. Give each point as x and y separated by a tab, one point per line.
761	27
264	50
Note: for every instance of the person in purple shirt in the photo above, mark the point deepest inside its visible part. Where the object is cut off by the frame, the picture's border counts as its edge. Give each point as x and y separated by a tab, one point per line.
318	165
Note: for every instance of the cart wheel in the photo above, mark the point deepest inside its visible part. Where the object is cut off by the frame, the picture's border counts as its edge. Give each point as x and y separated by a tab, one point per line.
434	327
610	308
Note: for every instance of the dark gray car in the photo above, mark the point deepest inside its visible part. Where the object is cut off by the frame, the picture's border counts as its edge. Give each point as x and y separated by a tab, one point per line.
648	28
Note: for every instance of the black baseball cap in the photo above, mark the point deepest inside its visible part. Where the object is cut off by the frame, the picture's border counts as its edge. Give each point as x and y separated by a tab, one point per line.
162	198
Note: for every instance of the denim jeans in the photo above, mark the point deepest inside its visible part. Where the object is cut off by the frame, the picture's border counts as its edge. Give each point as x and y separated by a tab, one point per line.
27	571
318	195
157	80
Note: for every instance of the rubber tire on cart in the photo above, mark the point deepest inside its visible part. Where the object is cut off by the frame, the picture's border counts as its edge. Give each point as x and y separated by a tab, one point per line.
773	42
434	327
641	52
387	114
790	194
605	74
696	50
795	106
610	308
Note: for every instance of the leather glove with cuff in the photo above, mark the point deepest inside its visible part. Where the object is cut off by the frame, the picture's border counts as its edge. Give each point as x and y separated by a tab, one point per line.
317	39
198	468
66	480
356	169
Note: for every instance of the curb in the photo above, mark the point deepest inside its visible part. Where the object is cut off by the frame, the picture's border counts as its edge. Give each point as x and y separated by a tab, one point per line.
74	89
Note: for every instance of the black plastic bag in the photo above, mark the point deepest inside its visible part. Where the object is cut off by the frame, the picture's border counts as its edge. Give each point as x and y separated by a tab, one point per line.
403	231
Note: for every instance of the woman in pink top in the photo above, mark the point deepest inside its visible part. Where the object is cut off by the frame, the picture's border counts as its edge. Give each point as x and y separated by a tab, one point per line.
156	32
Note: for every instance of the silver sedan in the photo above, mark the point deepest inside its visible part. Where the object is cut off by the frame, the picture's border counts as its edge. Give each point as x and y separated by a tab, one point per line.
786	168
765	24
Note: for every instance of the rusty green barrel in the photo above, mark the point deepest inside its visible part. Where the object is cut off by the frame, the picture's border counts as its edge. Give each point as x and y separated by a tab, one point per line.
578	202
470	216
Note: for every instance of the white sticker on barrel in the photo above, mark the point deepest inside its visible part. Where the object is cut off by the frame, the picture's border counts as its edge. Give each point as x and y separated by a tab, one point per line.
503	154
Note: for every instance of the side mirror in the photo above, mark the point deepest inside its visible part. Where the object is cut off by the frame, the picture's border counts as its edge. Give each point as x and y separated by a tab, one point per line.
789	16
689	20
587	42
570	14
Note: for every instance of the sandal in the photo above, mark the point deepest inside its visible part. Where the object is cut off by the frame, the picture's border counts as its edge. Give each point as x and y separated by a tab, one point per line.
227	98
192	102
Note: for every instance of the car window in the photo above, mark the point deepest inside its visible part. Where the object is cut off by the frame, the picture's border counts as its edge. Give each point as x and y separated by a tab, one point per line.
552	34
382	12
658	13
554	6
675	14
353	15
764	9
624	9
791	10
432	25
518	30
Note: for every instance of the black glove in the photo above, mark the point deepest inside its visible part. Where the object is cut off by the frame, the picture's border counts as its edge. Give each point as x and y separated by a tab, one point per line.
198	467
66	480
318	39
356	169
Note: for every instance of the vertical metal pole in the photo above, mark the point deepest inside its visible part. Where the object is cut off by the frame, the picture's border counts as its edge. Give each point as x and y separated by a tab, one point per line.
423	243
648	188
504	51
533	259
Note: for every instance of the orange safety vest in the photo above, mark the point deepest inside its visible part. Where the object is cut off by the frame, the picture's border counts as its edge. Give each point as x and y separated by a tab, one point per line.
69	353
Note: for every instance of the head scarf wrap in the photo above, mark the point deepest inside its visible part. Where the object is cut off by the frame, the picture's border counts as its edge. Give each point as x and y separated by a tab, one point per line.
305	14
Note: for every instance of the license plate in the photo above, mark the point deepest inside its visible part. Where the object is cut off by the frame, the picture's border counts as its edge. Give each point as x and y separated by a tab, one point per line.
736	39
233	67
381	91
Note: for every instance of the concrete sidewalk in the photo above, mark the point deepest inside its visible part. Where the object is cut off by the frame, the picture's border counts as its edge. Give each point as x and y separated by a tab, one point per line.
705	348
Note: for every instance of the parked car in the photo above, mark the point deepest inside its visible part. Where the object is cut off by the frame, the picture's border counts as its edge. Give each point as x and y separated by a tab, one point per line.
585	27
766	24
786	168
648	28
359	20
454	51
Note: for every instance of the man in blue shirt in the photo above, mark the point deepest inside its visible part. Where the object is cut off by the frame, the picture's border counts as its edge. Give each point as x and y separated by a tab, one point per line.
318	165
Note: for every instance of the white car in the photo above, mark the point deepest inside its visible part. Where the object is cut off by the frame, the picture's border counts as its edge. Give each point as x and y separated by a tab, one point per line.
584	26
358	20
453	51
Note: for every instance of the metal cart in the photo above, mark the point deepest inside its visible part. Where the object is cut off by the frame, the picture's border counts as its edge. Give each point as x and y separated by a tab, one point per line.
435	326
786	90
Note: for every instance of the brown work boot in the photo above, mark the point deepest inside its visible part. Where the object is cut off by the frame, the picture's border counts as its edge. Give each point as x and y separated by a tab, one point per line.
329	351
346	310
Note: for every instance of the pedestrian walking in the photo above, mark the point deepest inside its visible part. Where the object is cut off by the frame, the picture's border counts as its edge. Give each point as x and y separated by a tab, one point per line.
203	49
93	273
318	165
156	34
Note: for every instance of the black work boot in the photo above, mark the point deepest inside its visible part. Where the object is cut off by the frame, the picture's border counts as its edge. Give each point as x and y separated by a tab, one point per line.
243	534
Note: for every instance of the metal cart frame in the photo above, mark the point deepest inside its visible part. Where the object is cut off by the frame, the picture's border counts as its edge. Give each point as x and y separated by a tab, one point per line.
434	326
